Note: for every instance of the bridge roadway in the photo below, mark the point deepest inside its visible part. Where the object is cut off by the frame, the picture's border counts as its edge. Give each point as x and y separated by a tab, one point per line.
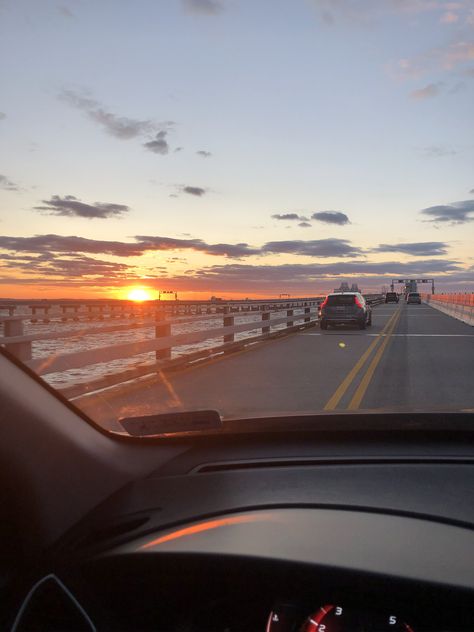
412	358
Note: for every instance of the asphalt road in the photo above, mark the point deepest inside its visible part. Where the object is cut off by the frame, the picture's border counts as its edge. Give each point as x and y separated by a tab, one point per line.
412	358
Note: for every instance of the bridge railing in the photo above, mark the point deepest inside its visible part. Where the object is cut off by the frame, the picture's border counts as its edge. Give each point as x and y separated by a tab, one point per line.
213	327
169	333
458	305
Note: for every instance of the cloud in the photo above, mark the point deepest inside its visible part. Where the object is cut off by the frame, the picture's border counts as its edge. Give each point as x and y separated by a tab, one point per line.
443	58
2	116
7	185
204	154
169	243
449	18
203	7
313	248
70	206
66	244
429	91
290	217
196	191
438	151
419	249
331	217
309	277
118	126
159	145
46	244
304	225
454	213
472	191
73	265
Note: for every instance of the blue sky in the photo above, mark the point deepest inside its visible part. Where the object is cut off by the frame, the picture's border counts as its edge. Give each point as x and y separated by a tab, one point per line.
361	107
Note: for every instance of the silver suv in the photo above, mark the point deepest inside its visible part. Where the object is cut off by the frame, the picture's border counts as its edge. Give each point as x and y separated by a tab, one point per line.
345	308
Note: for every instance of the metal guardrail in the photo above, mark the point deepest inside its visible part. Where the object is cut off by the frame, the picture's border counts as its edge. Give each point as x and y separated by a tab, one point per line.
161	316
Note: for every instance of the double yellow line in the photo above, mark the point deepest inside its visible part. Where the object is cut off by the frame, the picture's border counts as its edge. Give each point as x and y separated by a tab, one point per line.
362	388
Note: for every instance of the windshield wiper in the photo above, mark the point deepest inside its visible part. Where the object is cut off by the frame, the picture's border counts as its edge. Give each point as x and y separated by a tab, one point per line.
165	423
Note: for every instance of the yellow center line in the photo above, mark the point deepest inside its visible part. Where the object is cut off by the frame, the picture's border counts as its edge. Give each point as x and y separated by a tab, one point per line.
362	388
342	388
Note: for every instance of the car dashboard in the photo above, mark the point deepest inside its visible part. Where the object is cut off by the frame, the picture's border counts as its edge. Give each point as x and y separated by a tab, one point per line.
303	532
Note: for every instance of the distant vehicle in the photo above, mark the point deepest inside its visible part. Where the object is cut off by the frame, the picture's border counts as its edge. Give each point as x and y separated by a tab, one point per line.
348	308
414	297
391	297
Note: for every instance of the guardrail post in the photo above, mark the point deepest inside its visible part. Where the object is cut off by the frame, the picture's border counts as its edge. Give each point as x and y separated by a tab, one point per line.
265	317
162	329
307	310
290	323
22	350
228	322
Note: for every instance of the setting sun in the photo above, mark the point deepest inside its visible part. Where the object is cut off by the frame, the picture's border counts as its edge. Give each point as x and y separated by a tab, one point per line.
139	294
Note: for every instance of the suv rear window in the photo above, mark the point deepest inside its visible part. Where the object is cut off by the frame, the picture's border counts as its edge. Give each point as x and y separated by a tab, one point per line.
415	294
342	299
391	295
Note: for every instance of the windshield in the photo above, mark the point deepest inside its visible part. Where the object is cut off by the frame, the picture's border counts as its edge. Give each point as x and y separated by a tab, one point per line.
184	183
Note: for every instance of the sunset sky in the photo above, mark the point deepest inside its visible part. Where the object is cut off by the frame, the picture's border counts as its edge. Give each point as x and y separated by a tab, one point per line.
234	147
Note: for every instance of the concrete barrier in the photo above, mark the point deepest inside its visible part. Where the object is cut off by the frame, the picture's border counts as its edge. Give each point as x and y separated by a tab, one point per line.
459	306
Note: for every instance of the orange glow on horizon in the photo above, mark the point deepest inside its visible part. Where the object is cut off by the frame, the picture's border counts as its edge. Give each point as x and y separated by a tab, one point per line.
139	294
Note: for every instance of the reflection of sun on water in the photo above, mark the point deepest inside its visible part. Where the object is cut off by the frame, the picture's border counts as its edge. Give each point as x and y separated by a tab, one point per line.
139	294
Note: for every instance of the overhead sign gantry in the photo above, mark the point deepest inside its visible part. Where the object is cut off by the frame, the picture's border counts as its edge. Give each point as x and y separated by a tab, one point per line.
410	283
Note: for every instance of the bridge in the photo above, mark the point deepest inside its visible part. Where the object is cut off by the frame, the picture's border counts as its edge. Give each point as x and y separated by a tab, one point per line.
252	358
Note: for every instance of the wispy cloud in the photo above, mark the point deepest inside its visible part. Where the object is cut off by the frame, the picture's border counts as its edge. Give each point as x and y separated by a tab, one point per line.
419	249
203	7
314	248
70	266
2	116
7	185
70	206
304	225
331	217
222	249
454	213
445	59
60	243
159	145
449	17
438	151
118	126
290	217
427	92
52	243
204	154
239	277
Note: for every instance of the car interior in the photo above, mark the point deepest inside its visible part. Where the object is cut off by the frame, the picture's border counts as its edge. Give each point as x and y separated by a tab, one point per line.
281	524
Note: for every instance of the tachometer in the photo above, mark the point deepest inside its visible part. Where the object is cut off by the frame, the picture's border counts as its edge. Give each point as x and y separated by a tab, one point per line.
337	618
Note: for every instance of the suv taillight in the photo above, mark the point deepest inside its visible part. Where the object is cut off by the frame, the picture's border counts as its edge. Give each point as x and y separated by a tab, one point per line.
357	302
323	304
